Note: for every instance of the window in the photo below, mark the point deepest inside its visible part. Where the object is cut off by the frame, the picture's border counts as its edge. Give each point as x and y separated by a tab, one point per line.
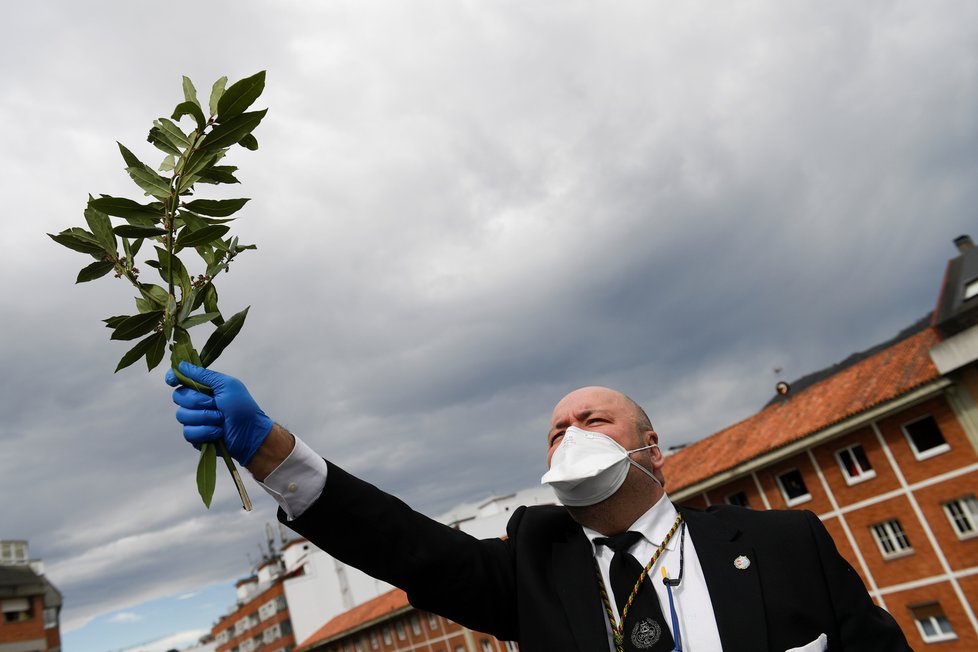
932	623
374	643
13	553
854	463
387	635
971	289
963	513
17	610
432	622
485	645
401	634
739	498
50	617
891	539
925	438
512	646
415	624
793	487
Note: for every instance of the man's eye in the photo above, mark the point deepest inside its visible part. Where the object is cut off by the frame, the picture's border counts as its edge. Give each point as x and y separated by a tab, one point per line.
556	438
596	420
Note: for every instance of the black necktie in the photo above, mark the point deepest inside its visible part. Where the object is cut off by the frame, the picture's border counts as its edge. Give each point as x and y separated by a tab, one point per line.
644	628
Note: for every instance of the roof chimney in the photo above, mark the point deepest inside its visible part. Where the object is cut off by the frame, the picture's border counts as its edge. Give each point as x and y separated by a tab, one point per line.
963	243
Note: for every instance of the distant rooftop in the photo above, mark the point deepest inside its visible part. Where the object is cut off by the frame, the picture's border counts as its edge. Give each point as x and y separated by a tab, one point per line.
813	403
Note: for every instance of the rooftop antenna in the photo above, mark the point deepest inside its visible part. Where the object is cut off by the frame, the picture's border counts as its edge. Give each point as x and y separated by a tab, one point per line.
270	537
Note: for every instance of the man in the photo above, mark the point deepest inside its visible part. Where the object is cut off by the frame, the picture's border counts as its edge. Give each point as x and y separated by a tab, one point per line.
739	580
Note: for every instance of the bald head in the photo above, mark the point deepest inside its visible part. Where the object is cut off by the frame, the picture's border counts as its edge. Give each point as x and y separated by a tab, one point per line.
593	401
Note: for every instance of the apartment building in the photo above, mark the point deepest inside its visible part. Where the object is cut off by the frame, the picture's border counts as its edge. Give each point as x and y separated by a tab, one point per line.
883	447
30	604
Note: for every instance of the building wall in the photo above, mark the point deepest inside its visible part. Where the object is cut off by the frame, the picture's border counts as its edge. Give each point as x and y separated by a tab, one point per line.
940	565
415	630
229	639
317	595
14	635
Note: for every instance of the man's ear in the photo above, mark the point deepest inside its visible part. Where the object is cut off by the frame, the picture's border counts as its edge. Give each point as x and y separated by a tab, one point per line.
658	459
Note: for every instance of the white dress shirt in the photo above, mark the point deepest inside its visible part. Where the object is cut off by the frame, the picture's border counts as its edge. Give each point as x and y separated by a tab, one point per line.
694	610
298	481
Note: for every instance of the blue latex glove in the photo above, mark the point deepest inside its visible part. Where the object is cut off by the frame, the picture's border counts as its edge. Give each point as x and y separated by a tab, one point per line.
230	413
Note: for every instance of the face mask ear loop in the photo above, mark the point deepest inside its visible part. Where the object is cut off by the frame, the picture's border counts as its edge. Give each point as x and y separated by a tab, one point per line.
644	470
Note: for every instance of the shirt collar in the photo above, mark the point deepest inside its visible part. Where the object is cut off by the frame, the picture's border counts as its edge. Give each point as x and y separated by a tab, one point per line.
654	525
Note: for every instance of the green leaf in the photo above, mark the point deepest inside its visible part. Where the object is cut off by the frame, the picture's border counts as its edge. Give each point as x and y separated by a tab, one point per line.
168	164
217	207
138	231
155	353
221	337
129	157
210	302
183	351
207	472
195	320
113	322
219	174
198	162
101	227
136	246
127	208
249	142
145	347
202	236
78	239
150	181
154	293
217	91
189	92
96	270
162	141
175	133
191	109
240	96
132	327
192	220
230	132
180	274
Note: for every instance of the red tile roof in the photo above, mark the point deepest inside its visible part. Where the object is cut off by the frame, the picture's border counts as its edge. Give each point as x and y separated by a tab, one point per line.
885	375
364	614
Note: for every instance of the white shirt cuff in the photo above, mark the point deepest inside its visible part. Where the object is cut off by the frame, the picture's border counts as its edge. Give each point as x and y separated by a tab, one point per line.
297	482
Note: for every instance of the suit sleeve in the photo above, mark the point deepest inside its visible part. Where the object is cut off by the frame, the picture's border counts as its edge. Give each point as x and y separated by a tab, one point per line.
862	625
443	570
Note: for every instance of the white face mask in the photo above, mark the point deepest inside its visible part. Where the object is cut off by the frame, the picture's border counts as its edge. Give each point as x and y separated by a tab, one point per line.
588	467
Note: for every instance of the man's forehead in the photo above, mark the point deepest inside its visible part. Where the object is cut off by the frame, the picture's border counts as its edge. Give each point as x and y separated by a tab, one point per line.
589	399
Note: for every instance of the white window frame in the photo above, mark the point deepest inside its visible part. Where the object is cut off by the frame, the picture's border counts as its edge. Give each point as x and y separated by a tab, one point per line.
864	474
967	508
930	452
797	500
940	634
895	535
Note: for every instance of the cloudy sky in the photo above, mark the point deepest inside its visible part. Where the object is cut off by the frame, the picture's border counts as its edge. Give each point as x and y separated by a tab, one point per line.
463	211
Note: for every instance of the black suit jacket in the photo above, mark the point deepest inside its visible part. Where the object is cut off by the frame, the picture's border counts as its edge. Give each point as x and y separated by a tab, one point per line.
538	585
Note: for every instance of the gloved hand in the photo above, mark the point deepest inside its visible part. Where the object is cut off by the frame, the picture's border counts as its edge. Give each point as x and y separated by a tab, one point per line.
230	413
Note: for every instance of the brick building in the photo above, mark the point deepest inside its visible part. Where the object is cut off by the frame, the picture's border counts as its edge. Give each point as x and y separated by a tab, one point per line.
260	622
883	447
30	604
390	624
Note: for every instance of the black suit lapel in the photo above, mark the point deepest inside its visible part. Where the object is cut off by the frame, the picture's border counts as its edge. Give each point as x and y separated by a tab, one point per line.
735	593
574	578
